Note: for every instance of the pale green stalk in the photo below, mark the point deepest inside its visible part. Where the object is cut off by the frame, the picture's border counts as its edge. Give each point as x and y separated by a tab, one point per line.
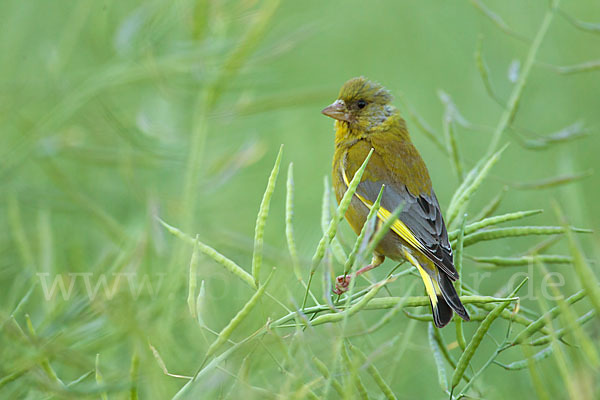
364	234
230	265
584	272
332	229
524	260
193	280
470	184
485	325
490	221
261	220
237	319
354	376
325	372
458	262
513	101
44	362
437	357
99	378
497	20
289	227
133	376
375	374
499	233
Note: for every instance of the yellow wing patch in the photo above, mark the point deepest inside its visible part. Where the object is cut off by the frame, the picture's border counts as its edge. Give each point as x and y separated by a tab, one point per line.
398	226
431	286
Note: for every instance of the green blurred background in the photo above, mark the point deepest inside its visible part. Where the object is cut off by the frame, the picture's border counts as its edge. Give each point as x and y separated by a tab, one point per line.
115	112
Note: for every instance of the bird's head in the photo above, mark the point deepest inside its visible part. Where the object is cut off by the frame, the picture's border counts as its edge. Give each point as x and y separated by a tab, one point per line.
362	104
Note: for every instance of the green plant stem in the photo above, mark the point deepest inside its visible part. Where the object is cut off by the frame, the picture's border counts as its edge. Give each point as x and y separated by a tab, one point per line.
513	101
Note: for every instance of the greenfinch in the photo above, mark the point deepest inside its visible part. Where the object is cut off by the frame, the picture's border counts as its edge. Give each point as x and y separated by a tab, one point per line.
365	119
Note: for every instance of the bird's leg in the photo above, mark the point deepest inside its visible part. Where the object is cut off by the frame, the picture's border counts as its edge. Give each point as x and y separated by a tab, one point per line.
343	281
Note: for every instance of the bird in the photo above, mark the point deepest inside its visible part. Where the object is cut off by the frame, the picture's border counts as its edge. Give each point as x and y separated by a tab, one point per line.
366	119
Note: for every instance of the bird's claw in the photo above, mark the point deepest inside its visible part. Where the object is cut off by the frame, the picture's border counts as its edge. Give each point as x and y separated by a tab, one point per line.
341	284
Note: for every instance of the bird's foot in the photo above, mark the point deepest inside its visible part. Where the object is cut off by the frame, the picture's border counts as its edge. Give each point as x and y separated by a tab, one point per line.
341	284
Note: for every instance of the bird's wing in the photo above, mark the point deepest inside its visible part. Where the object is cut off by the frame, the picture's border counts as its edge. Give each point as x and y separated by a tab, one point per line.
420	223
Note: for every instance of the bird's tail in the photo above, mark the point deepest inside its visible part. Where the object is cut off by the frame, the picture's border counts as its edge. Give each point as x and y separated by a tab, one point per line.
451	297
443	297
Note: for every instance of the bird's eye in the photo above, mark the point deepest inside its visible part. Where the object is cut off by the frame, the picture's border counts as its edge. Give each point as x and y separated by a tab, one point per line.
361	103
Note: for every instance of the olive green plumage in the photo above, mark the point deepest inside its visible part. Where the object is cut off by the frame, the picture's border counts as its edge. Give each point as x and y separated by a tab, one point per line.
365	119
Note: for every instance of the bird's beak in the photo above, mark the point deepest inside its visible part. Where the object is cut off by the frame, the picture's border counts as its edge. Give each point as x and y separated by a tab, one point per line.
337	110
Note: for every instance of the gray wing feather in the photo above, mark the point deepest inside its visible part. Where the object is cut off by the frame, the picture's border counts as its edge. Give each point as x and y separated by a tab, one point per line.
422	215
